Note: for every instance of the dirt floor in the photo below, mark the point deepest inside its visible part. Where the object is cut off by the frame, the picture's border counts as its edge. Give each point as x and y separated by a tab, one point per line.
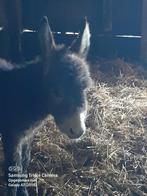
111	158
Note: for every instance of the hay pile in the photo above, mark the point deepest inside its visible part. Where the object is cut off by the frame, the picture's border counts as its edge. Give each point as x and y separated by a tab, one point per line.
111	159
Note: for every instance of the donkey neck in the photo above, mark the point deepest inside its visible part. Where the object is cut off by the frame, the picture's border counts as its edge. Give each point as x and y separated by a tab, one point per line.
23	98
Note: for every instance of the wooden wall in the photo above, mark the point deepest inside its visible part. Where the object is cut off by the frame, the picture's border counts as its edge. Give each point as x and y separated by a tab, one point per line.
107	19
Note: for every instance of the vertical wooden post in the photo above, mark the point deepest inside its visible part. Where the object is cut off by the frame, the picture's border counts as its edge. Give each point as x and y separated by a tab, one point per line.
13	28
107	16
144	34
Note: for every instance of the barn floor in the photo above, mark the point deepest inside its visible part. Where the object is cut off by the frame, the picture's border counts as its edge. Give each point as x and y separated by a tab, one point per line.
112	157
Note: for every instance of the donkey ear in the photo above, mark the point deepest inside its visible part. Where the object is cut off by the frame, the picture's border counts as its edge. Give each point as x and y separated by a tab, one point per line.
47	43
81	44
46	37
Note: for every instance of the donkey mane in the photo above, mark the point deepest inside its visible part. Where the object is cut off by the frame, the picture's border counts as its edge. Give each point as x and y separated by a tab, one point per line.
5	65
81	68
9	66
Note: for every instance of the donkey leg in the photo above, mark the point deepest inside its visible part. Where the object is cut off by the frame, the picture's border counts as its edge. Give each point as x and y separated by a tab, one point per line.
17	159
24	147
11	166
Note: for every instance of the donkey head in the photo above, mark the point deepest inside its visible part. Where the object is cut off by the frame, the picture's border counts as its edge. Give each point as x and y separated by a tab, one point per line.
67	77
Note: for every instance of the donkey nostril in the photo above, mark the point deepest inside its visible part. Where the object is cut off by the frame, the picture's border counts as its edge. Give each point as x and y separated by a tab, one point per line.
71	131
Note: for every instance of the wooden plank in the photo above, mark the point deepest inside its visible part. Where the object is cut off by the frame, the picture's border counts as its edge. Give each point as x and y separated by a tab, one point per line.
127	16
12	29
144	34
